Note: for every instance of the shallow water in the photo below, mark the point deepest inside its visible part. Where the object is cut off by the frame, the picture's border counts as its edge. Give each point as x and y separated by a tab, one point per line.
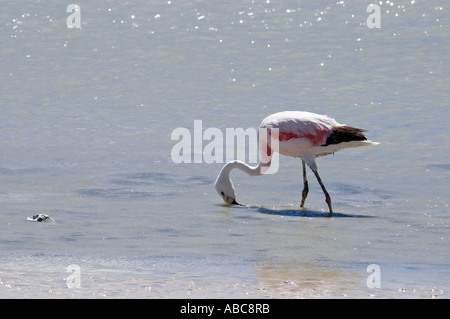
85	137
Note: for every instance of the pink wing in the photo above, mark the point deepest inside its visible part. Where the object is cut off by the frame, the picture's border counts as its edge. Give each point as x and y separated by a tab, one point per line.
314	127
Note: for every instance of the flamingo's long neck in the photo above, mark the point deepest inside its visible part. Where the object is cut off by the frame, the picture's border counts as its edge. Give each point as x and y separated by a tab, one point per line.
250	170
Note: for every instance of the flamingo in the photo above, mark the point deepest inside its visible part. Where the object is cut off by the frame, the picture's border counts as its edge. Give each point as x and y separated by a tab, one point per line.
299	134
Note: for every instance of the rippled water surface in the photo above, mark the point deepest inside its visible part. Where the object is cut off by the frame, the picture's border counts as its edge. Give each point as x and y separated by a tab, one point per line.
86	118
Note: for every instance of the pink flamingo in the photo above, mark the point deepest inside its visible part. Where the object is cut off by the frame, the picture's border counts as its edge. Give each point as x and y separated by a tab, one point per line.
300	134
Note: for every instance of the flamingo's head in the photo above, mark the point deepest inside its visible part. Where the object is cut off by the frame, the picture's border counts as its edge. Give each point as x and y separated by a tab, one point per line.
224	187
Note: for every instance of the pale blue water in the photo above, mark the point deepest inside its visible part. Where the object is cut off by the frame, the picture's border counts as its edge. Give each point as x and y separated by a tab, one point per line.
85	123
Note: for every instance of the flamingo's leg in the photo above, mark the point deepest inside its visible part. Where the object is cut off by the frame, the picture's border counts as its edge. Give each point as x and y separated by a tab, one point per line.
327	196
305	185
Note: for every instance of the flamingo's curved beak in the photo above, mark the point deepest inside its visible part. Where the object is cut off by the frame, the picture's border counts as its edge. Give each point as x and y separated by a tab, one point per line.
230	200
235	203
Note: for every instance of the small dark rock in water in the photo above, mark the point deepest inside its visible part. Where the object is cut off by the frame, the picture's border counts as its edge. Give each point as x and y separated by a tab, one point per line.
39	218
